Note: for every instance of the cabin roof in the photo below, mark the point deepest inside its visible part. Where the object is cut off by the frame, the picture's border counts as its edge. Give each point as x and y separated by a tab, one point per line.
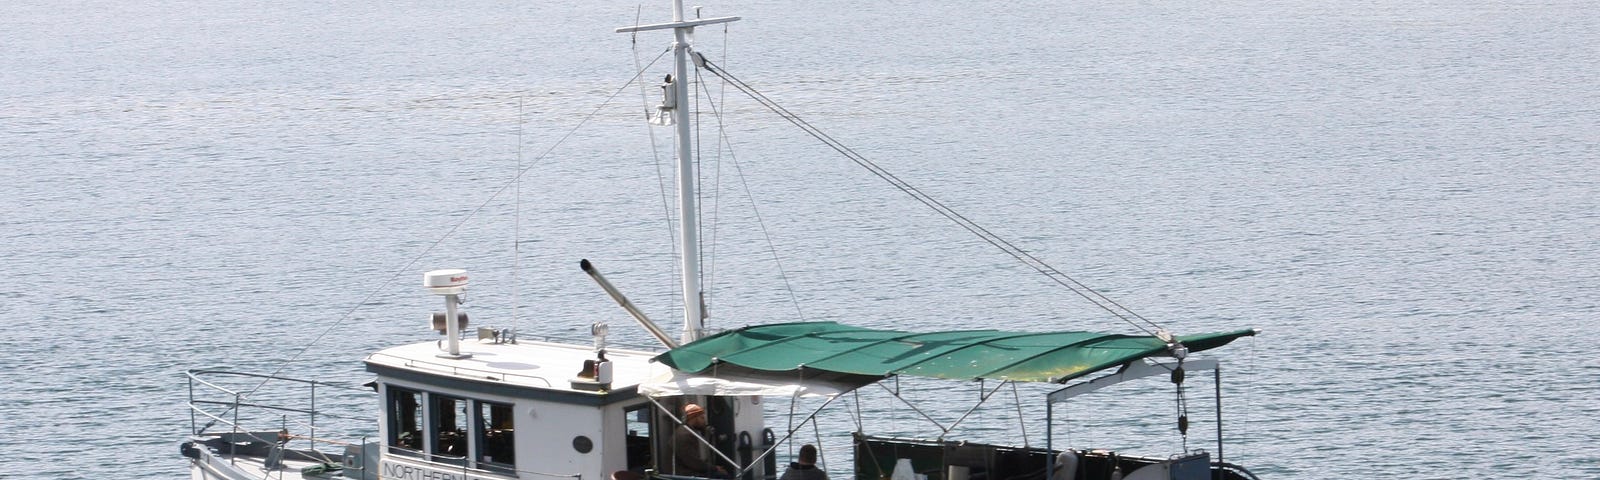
523	365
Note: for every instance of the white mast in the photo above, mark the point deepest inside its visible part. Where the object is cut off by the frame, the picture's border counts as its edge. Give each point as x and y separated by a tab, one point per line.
688	199
688	195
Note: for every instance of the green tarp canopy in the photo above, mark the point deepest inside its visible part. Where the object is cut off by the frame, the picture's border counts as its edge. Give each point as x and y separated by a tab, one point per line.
851	355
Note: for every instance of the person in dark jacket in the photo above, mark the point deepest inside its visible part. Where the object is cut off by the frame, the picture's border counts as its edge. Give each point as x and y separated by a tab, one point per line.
688	451
805	467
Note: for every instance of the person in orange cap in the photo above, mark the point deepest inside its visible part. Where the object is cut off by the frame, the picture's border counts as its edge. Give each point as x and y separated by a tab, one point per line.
691	458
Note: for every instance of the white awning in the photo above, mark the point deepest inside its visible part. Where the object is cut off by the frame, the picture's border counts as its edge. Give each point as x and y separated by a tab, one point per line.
666	382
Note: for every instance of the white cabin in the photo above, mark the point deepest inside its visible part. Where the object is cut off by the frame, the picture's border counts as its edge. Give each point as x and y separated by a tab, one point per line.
531	410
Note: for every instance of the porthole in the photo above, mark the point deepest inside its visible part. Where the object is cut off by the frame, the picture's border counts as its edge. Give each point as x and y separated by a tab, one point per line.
582	444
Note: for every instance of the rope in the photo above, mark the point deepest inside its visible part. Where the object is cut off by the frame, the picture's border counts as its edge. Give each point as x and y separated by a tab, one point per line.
1095	297
1182	405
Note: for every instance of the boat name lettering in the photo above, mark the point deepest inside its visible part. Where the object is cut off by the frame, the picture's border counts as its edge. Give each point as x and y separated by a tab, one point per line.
400	470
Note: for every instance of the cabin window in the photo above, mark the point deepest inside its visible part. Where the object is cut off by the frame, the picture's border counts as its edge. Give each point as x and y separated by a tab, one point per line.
440	432
405	418
496	450
449	428
638	440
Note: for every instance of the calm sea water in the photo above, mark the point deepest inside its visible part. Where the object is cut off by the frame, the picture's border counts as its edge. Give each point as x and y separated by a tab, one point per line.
1402	195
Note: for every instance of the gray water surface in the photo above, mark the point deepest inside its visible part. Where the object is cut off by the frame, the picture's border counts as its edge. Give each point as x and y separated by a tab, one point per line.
1402	196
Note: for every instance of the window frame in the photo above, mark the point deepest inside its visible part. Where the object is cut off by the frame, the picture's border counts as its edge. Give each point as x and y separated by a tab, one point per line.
483	426
396	420
436	416
429	409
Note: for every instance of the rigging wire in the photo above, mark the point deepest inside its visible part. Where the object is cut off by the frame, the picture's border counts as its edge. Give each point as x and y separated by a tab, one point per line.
655	153
722	134
710	272
699	194
1072	284
716	209
516	221
451	232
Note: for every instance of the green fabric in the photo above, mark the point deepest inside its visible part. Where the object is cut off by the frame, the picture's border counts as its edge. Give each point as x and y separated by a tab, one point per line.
968	354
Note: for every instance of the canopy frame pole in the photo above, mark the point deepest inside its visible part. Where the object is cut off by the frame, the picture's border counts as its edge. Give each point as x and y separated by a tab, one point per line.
1129	371
809	419
913	406
755	461
860	424
1022	424
1049	440
697	436
1216	376
816	433
793	400
982	399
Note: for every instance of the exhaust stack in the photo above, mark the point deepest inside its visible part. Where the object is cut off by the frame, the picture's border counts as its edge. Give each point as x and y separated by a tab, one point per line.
644	321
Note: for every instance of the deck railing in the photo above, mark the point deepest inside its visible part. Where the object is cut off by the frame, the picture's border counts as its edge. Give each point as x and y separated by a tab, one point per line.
215	400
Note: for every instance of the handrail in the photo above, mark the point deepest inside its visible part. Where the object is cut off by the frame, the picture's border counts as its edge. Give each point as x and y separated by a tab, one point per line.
194	374
206	403
250	404
194	403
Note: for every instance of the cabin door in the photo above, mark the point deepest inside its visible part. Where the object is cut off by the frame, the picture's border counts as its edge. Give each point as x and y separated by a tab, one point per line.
642	441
